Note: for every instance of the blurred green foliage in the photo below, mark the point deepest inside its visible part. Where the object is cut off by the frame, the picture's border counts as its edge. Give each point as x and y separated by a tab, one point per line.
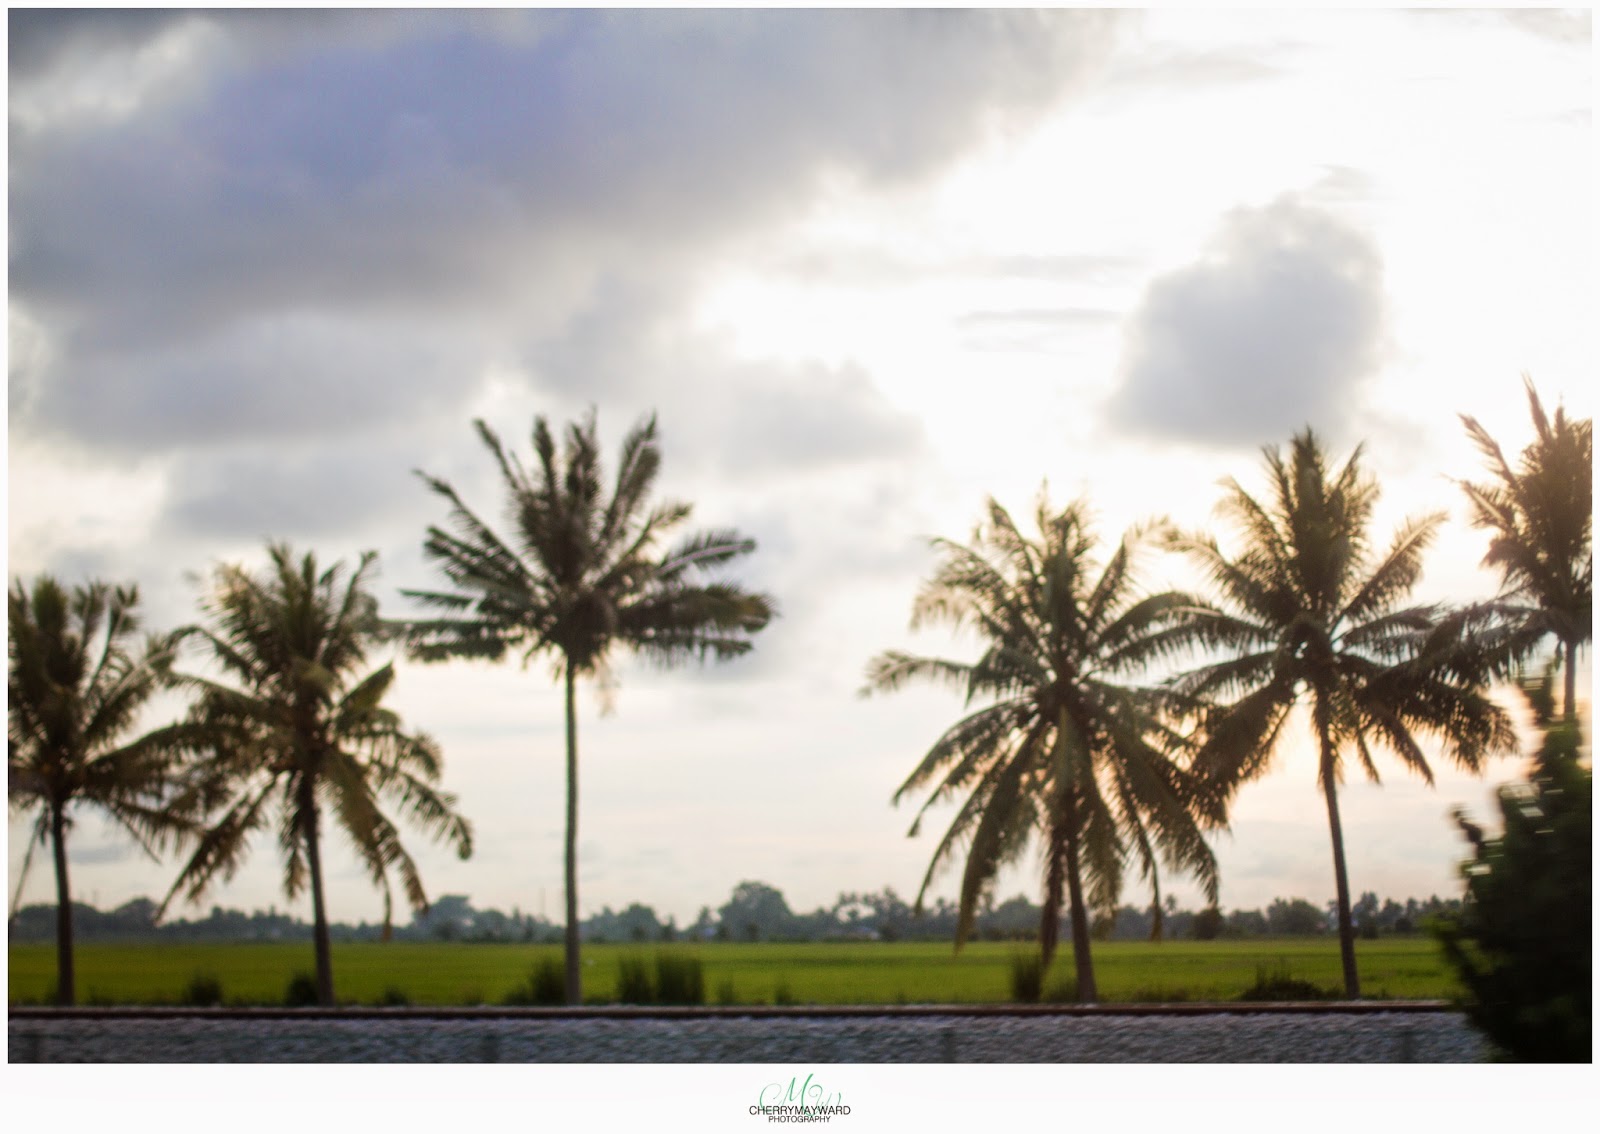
1522	944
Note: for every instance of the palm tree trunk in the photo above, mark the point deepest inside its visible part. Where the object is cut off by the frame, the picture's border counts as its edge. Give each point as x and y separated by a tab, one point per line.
1087	993
574	973
66	981
1347	935
1569	711
319	910
1050	922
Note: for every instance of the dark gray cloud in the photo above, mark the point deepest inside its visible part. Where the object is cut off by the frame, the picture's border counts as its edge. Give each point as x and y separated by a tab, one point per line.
448	163
438	187
281	376
300	491
1273	328
42	39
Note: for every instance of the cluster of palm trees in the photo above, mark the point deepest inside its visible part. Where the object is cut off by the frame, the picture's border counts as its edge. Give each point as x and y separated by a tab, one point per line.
1076	748
1115	727
288	730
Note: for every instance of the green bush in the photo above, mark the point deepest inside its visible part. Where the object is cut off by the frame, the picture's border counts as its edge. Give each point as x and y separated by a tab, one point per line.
680	978
726	993
203	991
302	991
546	986
1278	983
634	985
393	998
1027	977
1522	942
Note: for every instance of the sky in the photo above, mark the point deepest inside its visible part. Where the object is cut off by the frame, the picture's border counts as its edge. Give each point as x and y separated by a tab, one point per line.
868	269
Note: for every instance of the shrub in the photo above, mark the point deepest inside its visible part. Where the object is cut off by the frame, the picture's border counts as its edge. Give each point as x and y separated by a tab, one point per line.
1027	977
1280	984
302	991
546	985
393	998
782	995
726	994
203	991
680	979
1522	943
634	985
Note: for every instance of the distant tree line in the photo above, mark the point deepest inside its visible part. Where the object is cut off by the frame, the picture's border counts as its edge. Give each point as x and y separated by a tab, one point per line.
755	911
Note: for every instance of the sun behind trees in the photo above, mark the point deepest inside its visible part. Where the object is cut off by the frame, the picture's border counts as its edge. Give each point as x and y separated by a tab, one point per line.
1068	751
582	575
1307	612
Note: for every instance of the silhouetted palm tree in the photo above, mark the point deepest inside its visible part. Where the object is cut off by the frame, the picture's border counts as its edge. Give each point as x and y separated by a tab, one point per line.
76	689
301	736
1541	515
1306	613
1066	749
581	575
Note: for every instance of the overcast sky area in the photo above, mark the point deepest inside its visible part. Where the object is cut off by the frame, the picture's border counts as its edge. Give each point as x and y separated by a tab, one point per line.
867	268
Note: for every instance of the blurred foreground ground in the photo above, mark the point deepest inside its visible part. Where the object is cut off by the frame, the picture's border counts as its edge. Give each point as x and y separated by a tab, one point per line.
1389	1035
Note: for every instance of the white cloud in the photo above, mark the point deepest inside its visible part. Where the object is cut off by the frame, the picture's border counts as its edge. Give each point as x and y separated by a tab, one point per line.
1275	327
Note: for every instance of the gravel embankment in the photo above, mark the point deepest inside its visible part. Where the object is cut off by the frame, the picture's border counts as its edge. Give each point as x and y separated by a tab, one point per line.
1194	1036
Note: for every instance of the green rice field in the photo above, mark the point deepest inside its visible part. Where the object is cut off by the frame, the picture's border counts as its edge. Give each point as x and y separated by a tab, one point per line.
823	973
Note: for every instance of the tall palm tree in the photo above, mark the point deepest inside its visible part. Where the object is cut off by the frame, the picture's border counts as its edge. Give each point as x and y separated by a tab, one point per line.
77	685
580	576
1306	612
1541	515
300	735
1065	751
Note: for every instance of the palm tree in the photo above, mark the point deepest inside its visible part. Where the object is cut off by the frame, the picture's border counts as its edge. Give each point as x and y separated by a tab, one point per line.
1305	612
580	576
1541	514
1065	749
300	736
76	689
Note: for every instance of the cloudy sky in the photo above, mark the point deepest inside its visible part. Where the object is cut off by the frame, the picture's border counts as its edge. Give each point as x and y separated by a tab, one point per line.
868	268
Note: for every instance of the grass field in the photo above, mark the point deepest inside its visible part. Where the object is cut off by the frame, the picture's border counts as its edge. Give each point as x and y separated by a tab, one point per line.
833	973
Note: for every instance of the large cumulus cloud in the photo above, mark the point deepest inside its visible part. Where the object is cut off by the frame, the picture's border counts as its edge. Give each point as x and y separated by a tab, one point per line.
1276	326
